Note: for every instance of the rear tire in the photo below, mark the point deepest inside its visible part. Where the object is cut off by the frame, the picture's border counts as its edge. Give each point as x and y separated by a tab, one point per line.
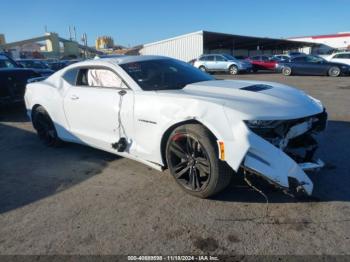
233	70
334	71
45	128
192	157
287	71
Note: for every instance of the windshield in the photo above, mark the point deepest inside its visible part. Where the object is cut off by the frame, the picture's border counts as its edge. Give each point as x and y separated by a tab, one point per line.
6	63
33	64
164	74
314	59
229	57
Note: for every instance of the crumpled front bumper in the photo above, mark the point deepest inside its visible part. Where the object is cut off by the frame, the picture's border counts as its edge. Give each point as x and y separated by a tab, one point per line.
275	165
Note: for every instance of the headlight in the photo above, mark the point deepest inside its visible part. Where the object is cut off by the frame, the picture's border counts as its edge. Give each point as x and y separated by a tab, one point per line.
262	123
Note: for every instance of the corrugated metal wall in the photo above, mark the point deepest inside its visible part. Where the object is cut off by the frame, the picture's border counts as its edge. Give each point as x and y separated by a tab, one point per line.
186	47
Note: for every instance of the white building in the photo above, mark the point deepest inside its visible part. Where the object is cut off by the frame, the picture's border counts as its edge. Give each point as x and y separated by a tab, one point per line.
183	47
329	43
190	46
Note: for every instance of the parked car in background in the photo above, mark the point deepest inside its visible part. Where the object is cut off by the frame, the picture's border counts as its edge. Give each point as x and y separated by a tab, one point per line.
222	63
36	65
343	57
280	58
58	65
13	80
108	56
262	62
312	65
172	115
241	57
295	53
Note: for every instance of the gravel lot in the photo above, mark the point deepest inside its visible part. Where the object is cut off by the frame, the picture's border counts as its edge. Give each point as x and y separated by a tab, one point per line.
78	200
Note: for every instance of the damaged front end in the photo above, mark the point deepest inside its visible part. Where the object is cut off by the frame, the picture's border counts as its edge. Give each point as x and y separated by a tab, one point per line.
281	150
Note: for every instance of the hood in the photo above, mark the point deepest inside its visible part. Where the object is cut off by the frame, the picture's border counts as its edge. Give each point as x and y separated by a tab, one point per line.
43	71
256	99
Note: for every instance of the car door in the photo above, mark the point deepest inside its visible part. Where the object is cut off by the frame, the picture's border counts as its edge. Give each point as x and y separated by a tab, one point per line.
99	107
317	65
209	62
220	63
257	62
300	66
267	63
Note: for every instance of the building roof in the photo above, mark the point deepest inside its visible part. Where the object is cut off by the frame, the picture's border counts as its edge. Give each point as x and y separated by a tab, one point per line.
216	40
345	34
221	40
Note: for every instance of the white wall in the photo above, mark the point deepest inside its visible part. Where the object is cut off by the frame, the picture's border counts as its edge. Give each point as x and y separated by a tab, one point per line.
185	47
337	41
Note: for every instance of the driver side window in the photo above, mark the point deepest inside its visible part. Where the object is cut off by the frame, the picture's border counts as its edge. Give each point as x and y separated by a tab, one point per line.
219	58
99	78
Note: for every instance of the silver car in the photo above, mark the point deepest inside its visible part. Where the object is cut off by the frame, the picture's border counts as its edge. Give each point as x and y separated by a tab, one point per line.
223	63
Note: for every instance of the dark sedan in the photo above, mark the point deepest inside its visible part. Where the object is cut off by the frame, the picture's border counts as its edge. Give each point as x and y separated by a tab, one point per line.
312	65
13	80
36	65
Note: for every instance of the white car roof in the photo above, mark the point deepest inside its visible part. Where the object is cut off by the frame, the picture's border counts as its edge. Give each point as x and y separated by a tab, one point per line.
129	59
114	60
344	52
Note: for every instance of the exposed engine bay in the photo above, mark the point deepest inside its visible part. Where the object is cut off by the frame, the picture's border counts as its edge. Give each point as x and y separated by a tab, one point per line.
297	139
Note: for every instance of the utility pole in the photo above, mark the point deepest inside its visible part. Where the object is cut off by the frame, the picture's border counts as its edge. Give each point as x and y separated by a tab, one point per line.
75	34
84	40
70	34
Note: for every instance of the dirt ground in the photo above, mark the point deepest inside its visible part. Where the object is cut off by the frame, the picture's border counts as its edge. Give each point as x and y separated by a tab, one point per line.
78	200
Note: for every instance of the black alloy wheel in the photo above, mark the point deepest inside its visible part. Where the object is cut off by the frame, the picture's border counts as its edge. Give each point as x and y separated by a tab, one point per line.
190	162
192	157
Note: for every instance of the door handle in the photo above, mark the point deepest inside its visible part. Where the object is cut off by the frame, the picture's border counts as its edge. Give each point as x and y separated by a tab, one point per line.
74	97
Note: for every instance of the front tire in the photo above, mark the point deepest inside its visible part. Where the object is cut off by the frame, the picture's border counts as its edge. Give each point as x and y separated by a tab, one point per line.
334	71
233	70
45	128
192	157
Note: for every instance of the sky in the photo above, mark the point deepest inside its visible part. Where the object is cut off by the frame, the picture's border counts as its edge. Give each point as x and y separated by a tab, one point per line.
136	22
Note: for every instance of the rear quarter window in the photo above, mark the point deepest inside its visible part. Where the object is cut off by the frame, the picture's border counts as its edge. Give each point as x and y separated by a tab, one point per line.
71	76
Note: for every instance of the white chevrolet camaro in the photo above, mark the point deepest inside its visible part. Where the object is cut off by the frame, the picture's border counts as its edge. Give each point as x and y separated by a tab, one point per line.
167	114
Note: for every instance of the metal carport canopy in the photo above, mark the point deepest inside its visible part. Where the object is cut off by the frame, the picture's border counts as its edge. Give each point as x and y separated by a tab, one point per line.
214	40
